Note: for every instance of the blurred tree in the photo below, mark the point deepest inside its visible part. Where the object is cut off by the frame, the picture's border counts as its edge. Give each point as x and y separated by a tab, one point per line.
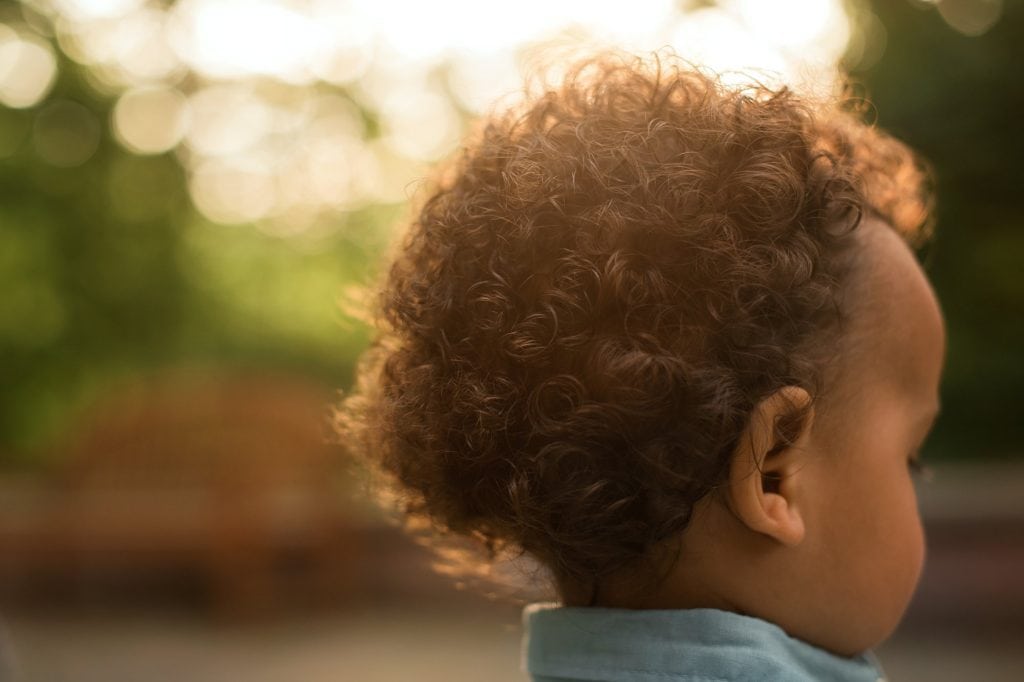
87	292
957	99
106	271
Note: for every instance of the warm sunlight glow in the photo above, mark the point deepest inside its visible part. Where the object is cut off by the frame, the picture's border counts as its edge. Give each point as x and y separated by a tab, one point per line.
295	110
150	120
792	24
421	125
227	120
82	10
233	38
27	68
233	192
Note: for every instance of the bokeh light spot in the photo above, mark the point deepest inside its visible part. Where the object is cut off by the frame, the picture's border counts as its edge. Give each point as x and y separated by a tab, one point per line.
478	83
66	134
244	91
232	192
793	25
27	68
421	125
150	120
971	17
232	38
82	10
226	119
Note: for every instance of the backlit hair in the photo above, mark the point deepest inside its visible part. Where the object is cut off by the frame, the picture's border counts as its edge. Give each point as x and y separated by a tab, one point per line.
595	293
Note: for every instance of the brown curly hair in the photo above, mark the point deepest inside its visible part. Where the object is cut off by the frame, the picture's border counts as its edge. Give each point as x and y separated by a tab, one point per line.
595	294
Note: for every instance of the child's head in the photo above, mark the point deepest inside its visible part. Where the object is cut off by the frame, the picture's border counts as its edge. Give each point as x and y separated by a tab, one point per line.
664	336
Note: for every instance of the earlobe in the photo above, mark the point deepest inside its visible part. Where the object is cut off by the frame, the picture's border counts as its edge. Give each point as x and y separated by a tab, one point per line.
764	485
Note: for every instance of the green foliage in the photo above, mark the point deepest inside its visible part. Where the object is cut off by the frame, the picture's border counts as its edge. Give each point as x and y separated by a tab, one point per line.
957	100
107	271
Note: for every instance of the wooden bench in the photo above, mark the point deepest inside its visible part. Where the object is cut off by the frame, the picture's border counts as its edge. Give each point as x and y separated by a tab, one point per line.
224	477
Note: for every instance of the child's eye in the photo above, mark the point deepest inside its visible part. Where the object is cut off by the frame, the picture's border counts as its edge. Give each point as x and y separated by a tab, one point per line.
918	469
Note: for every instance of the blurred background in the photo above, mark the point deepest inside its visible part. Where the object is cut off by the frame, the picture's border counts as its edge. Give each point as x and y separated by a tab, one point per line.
194	198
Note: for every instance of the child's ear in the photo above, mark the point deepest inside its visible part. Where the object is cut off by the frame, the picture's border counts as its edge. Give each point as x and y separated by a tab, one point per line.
763	476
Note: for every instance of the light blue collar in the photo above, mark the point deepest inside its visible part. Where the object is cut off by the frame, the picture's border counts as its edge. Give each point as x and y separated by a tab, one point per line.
625	645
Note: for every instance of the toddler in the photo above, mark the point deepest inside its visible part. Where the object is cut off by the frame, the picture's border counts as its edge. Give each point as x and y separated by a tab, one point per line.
667	337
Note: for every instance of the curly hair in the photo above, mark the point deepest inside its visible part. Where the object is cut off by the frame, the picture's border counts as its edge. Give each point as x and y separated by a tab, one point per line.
597	291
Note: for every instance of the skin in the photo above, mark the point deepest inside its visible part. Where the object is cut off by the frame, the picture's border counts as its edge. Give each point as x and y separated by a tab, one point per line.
833	553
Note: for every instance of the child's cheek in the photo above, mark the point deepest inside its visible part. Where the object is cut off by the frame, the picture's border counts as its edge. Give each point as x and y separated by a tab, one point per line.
907	547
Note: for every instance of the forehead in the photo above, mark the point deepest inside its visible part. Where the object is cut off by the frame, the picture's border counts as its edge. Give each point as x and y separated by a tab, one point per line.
894	333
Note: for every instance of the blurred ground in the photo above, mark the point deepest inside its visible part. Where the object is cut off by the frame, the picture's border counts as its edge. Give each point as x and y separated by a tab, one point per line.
402	622
383	646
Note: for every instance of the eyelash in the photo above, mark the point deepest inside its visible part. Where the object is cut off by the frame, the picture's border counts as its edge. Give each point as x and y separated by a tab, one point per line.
918	469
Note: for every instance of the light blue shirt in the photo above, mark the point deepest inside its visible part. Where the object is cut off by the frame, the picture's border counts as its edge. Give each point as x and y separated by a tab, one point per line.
562	644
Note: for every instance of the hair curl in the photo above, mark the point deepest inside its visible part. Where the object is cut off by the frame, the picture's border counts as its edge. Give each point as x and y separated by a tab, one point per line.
597	292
